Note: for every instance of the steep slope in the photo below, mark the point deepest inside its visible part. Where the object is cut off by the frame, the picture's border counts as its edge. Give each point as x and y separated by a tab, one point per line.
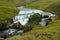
41	4
6	12
8	8
8	5
50	32
14	3
54	8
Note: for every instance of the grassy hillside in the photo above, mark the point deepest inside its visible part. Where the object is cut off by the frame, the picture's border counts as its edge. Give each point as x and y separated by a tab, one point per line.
8	8
41	4
6	12
50	32
54	8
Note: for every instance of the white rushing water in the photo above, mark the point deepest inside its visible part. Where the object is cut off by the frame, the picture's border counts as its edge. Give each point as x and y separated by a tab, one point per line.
25	13
23	17
10	32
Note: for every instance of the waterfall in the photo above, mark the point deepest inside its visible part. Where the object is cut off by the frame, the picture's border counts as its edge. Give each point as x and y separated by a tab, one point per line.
23	18
25	13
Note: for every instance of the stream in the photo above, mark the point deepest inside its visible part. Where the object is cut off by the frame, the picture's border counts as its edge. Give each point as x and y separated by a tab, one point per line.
25	13
23	18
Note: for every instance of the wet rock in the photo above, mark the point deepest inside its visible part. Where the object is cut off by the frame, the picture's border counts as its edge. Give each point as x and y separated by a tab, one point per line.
25	14
17	26
10	32
5	23
7	33
20	32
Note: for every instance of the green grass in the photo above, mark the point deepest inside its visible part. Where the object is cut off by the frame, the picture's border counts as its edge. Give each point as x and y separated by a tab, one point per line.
42	4
54	8
9	7
6	12
50	32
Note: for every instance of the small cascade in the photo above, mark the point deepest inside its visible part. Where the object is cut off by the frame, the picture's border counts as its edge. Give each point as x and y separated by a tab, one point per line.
23	18
10	32
25	13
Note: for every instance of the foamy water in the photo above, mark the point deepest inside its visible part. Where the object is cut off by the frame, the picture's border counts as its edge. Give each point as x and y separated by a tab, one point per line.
25	13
